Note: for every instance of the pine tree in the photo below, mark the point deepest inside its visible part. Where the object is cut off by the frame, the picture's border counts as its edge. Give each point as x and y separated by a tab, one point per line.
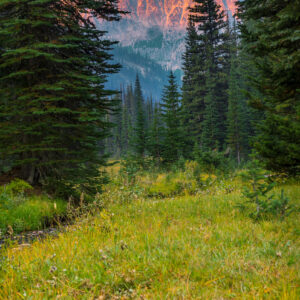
193	85
155	142
237	116
224	54
270	35
211	29
171	116
127	121
116	132
125	136
149	112
139	140
210	132
53	66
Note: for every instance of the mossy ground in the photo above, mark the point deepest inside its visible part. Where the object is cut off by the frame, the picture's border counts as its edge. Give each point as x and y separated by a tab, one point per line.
189	246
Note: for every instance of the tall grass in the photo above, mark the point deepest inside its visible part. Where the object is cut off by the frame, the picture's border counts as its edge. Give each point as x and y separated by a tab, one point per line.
190	246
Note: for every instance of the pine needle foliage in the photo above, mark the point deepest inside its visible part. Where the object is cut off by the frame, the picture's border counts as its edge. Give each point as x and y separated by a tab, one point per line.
53	66
270	32
193	84
171	110
139	139
210	68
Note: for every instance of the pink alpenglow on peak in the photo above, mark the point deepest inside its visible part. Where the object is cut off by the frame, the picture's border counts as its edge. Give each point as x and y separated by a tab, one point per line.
165	13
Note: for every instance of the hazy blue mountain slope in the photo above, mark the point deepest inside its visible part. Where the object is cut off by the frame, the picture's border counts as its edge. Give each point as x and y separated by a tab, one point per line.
153	76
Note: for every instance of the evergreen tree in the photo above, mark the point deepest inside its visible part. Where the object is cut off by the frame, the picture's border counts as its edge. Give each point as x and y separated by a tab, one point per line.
53	66
212	35
193	85
155	142
149	112
210	132
222	87
127	121
171	116
270	31
237	116
140	124
116	134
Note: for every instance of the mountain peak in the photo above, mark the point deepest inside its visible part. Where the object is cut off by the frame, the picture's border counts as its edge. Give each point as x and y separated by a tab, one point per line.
165	13
152	40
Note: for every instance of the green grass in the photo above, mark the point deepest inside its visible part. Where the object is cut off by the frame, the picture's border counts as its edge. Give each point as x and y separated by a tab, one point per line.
32	214
185	247
22	211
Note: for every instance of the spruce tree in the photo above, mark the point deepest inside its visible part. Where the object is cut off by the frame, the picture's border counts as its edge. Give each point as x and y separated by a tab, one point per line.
270	31
149	112
155	137
210	132
139	139
115	140
211	29
127	121
172	118
53	67
238	116
193	85
125	136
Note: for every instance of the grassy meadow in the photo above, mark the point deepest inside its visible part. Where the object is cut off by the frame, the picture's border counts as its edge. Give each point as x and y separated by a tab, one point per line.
173	243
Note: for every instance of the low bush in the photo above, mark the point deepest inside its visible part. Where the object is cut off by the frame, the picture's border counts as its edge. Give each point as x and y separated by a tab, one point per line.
212	161
164	188
129	168
261	202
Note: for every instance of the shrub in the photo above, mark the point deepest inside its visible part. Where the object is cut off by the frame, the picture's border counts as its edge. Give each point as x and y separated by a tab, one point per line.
178	166
192	170
280	206
211	161
130	166
257	191
88	186
16	187
165	187
13	194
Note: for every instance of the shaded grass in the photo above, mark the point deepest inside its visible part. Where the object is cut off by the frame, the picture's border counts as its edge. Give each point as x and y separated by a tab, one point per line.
32	213
22	208
187	247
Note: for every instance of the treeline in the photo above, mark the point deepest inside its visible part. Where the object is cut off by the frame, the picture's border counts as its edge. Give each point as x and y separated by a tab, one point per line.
209	116
55	113
145	127
239	93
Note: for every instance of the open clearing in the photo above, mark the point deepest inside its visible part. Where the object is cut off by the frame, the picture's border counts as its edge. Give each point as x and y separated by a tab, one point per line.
185	247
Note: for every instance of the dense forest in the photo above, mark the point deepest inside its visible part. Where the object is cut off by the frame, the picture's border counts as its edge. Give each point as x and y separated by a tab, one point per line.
235	97
230	103
115	194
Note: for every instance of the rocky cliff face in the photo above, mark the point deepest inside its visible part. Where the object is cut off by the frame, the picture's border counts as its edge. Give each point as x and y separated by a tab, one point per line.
165	13
154	31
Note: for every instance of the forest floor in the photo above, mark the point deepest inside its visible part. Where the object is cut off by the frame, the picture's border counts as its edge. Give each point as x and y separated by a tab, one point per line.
186	246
